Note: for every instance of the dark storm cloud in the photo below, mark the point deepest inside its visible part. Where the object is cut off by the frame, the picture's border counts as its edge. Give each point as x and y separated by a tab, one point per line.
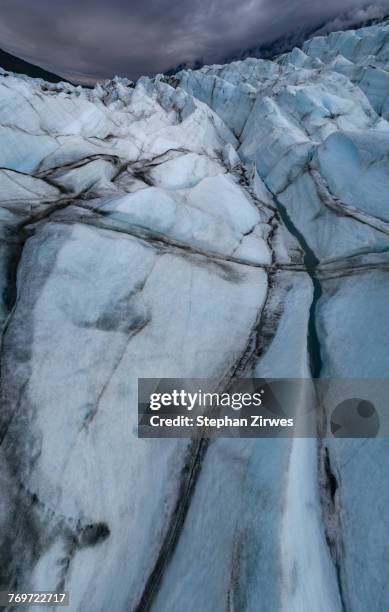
94	39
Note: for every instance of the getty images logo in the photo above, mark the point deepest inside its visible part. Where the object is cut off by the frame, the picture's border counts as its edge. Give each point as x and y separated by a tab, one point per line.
355	418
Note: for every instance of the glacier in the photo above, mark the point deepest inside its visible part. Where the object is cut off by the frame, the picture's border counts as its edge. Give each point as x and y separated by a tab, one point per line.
225	222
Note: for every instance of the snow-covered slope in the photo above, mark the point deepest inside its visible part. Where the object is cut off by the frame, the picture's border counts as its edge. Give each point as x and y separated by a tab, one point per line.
223	222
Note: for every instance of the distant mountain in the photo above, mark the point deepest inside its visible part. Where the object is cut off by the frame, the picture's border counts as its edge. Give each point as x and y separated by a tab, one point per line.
358	18
193	65
15	64
352	19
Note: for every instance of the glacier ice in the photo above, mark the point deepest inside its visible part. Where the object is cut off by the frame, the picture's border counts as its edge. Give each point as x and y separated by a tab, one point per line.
220	222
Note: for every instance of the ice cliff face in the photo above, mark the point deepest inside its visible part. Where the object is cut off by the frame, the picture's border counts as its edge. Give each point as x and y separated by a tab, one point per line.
223	222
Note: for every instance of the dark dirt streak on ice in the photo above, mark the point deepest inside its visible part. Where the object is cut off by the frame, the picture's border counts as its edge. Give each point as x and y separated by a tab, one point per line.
341	209
190	474
329	505
117	222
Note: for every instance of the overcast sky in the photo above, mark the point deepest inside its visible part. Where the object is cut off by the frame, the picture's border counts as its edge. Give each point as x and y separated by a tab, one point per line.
93	39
